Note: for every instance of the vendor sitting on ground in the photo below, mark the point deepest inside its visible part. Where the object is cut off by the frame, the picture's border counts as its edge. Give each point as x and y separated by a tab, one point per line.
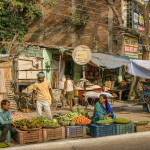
6	121
102	110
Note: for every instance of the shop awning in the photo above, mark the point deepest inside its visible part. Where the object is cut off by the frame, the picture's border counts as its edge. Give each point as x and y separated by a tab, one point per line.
109	61
140	68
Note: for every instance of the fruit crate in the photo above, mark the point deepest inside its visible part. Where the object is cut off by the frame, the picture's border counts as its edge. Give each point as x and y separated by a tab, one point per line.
75	131
125	128
101	130
53	133
142	128
23	137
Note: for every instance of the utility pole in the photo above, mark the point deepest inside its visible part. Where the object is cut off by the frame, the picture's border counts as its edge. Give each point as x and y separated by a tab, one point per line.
110	28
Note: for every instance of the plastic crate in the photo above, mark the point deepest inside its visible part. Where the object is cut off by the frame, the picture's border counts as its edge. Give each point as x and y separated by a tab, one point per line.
125	128
100	131
54	133
145	108
75	131
23	137
146	87
8	138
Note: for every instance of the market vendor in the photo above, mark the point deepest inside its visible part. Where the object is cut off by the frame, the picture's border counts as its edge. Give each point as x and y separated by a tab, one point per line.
6	121
102	110
44	93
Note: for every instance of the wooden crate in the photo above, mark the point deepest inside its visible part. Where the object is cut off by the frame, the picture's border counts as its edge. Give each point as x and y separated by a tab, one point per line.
142	128
53	133
23	137
75	131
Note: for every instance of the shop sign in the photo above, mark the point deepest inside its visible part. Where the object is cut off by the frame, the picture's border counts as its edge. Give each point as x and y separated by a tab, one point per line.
131	47
132	55
141	23
81	54
135	21
138	21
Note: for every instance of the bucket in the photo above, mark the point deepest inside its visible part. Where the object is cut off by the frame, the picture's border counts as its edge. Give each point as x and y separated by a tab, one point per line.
64	102
75	100
145	108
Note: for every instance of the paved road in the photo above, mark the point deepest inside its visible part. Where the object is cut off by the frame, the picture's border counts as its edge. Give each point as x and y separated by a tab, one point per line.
134	141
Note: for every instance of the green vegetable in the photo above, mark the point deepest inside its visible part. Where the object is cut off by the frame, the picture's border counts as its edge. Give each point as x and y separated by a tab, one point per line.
47	122
72	123
3	145
105	121
141	122
122	120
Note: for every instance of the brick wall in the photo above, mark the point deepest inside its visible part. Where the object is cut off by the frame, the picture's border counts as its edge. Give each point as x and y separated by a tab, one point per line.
51	29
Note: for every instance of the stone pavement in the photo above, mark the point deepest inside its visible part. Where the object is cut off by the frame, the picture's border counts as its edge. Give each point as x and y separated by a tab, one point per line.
133	141
122	109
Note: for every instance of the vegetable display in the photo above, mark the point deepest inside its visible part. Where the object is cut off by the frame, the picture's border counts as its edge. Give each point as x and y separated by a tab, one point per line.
18	117
66	120
3	145
81	120
79	110
122	120
105	121
47	122
29	124
141	122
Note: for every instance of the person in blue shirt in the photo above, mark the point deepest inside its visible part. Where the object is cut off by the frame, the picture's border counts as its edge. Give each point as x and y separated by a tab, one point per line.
6	120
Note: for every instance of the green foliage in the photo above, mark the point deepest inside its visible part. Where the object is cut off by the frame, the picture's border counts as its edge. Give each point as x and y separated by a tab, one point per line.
48	64
47	3
133	94
16	15
78	18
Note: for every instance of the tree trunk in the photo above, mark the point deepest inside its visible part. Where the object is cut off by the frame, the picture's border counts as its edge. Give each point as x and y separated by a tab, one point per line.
145	36
132	86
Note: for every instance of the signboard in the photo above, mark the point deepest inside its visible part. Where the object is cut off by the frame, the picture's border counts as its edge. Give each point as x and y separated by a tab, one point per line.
135	21
138	21
82	55
131	47
141	22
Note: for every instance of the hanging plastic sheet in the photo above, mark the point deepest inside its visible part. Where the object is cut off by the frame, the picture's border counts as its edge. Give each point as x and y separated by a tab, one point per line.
108	60
140	68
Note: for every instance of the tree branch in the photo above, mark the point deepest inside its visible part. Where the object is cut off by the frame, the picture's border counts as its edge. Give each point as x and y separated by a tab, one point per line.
110	3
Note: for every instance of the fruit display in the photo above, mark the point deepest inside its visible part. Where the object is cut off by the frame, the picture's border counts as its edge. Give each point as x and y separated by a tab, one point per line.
122	121
29	123
18	117
79	110
66	120
47	122
25	110
81	120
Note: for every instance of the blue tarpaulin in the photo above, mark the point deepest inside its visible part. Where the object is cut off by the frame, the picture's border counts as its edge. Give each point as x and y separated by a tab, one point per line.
109	61
139	68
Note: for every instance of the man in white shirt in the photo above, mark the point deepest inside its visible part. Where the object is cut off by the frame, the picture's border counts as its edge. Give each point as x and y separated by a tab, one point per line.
69	89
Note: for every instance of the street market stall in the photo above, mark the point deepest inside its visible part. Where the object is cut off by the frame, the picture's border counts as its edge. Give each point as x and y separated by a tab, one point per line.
141	68
109	73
